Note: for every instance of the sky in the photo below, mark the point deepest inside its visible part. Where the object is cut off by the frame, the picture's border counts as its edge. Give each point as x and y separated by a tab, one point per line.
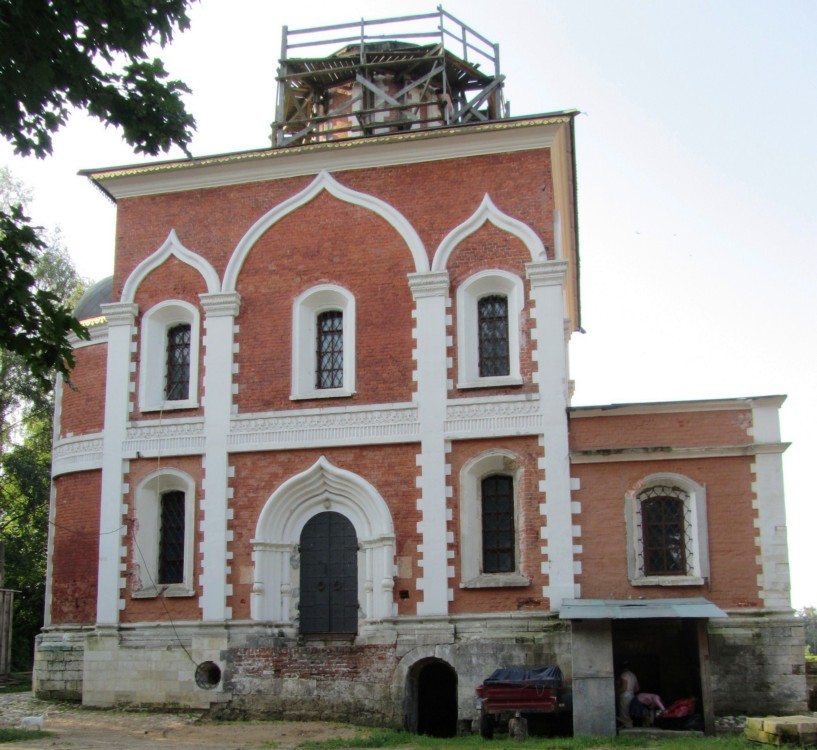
697	184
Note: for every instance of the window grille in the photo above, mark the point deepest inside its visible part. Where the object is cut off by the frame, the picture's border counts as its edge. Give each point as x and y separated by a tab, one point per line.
329	372
177	386
494	357
498	534
171	537
665	531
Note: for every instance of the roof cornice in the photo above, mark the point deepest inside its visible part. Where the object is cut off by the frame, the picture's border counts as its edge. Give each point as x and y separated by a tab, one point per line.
664	453
676	407
500	136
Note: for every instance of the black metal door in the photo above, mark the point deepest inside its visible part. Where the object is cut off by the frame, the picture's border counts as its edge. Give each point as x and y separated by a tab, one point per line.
328	575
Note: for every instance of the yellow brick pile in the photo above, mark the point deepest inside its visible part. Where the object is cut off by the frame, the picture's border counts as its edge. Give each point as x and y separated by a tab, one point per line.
782	730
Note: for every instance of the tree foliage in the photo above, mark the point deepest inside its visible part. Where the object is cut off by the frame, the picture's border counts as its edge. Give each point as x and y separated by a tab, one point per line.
55	58
25	480
34	320
809	616
26	406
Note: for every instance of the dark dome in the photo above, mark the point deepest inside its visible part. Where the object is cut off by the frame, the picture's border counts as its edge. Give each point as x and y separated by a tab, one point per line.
90	302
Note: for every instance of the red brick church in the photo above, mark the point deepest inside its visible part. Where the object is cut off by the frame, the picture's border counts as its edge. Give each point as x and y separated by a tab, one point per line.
319	459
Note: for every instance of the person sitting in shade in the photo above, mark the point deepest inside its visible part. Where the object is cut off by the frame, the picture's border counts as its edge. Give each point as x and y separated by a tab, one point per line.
626	690
651	700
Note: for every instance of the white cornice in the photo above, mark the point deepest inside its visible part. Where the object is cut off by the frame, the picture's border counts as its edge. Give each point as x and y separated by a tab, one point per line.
98	333
80	453
676	407
374	425
271	164
156	438
492	417
225	304
546	273
667	453
428	284
119	313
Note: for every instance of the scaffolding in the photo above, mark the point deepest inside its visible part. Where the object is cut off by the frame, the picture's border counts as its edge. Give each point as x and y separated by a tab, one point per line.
391	75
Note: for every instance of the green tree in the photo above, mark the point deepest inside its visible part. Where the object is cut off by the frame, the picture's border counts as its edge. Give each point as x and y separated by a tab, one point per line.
26	406
809	616
51	272
55	58
25	480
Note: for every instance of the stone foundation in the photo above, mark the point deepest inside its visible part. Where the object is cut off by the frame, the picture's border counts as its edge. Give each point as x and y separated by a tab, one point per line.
758	664
266	672
58	664
250	670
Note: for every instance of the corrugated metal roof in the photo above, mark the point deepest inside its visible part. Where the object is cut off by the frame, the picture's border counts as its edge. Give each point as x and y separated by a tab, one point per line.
638	609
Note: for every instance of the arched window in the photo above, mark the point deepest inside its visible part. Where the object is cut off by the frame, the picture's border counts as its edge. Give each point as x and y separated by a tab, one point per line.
489	522
666	526
329	369
171	537
663	530
323	343
162	556
498	525
169	357
494	355
489	309
177	381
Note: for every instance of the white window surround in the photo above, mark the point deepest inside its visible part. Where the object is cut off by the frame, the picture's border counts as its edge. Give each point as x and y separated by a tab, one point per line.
153	355
696	537
147	505
471	476
305	311
474	288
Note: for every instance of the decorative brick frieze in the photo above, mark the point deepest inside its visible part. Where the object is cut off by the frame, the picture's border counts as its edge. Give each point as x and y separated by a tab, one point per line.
174	438
493	417
275	431
76	454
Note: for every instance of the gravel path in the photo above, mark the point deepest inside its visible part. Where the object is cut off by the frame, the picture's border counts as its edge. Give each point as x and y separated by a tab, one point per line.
73	727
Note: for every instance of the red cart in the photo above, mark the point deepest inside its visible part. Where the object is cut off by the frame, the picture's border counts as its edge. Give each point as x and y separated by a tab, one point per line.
527	692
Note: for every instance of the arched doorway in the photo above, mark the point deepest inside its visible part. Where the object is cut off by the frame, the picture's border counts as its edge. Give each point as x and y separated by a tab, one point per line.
276	547
432	699
328	601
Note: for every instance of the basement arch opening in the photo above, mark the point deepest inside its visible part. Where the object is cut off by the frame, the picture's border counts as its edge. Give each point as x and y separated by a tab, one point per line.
431	698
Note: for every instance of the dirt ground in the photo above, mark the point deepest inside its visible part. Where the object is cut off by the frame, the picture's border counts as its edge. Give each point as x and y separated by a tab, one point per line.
76	728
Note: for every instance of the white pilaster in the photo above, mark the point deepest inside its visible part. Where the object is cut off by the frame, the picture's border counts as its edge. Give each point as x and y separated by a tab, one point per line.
430	292
547	279
775	580
220	311
121	330
52	501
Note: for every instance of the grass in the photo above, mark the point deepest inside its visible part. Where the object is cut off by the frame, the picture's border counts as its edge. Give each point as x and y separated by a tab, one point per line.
15	735
386	738
16	682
